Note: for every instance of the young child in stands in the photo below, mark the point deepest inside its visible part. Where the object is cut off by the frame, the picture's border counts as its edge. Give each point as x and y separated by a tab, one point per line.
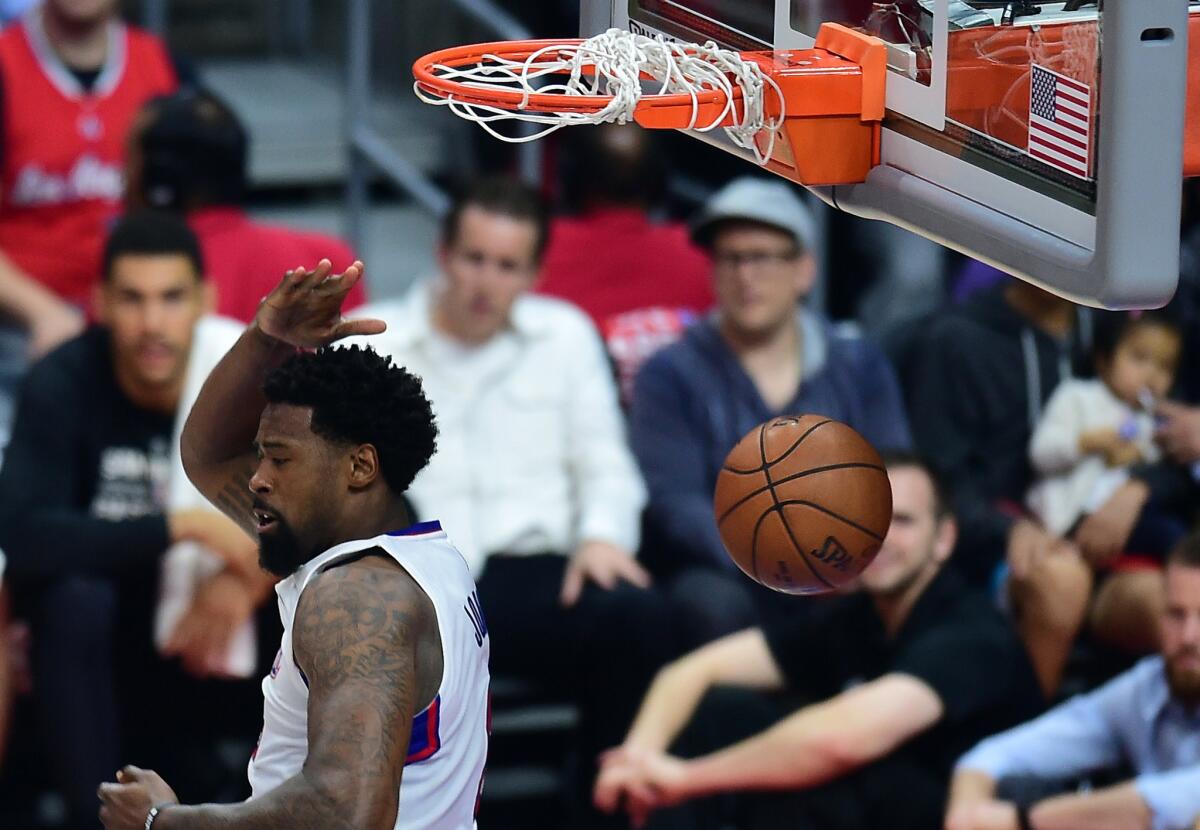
1093	431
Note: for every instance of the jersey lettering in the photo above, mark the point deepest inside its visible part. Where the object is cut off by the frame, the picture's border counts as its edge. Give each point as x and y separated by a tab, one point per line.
475	612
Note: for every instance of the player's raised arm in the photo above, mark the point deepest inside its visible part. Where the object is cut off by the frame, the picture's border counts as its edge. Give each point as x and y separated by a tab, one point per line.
304	311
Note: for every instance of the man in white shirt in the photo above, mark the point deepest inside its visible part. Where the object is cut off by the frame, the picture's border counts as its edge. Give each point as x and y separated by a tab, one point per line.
533	477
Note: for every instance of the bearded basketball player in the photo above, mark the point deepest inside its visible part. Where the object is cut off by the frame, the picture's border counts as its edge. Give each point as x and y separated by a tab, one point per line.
376	710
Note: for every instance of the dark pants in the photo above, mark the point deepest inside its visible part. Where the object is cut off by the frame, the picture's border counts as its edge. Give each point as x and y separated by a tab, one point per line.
104	698
602	652
74	689
1156	533
891	793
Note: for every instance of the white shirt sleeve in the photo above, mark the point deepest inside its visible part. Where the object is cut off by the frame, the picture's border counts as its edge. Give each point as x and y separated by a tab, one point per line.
1173	797
608	487
1054	447
1070	740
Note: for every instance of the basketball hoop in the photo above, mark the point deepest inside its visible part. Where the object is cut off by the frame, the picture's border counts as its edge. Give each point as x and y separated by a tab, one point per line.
556	83
813	112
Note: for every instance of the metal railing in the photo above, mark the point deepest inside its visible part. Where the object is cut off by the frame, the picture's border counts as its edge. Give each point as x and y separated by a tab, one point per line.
293	29
369	149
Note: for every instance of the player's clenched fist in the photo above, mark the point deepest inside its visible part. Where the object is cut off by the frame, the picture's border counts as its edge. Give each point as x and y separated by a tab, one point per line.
126	805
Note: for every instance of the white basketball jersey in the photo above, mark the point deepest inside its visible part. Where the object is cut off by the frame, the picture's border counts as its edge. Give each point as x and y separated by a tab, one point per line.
443	775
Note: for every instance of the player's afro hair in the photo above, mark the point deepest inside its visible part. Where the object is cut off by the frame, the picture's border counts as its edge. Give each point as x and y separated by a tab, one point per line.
360	397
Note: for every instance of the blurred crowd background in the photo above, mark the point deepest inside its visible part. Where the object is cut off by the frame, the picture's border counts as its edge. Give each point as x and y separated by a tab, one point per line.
598	318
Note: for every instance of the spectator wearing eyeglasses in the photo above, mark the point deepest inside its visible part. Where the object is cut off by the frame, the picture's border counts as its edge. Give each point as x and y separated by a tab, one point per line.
760	354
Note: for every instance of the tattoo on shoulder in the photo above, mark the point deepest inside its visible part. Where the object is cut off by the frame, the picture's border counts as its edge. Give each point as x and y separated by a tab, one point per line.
349	612
359	624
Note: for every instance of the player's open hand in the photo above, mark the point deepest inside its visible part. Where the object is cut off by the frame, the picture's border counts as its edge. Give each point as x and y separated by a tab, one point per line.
126	804
602	563
305	309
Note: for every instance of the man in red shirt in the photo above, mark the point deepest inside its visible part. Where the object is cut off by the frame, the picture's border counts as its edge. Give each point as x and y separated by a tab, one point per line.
612	258
641	281
188	154
72	77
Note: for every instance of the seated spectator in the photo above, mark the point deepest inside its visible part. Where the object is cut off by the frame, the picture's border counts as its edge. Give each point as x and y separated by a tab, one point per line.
981	379
641	280
533	479
900	678
1091	435
1171	485
610	256
188	153
761	355
1094	430
1179	419
72	77
84	524
1145	719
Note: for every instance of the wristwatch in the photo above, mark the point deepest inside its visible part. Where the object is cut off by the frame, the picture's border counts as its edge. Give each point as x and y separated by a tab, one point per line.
153	814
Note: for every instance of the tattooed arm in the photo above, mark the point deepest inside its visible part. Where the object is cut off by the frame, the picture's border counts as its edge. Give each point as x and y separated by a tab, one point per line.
218	438
360	629
304	311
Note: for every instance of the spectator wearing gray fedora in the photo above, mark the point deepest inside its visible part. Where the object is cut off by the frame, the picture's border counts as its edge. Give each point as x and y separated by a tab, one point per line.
759	355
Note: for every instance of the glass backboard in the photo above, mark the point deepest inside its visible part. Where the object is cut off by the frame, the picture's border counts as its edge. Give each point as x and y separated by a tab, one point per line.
1001	139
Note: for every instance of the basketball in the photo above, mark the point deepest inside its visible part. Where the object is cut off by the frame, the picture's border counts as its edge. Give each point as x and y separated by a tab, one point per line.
802	504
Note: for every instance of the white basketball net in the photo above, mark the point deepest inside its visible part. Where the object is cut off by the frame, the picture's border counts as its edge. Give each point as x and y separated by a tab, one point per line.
619	59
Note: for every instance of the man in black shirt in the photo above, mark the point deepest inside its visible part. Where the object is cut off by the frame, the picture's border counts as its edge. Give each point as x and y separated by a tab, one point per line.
82	507
904	675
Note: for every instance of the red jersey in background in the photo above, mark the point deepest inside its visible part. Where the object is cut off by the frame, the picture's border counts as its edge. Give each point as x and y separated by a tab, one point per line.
62	149
245	259
612	261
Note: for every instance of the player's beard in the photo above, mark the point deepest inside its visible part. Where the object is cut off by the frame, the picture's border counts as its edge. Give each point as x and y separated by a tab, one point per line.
1184	683
279	552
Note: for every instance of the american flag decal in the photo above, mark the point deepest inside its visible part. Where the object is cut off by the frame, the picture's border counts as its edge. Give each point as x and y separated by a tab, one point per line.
1060	121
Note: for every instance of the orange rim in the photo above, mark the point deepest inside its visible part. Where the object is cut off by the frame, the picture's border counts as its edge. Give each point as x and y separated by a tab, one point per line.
507	99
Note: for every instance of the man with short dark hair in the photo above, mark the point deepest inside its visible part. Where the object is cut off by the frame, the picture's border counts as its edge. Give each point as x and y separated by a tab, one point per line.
761	354
84	514
188	153
533	477
1147	718
899	677
376	710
